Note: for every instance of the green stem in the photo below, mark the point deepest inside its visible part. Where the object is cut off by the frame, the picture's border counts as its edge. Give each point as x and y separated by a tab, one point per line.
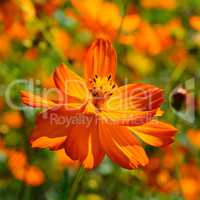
75	183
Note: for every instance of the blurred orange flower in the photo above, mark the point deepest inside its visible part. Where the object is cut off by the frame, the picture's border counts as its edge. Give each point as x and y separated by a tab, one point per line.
194	137
20	168
13	16
103	18
5	45
34	176
9	11
190	180
17	31
152	39
63	44
195	22
160	171
179	55
100	114
48	7
13	119
31	54
61	39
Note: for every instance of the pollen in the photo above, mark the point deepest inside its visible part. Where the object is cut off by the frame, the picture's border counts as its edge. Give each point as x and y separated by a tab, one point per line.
102	88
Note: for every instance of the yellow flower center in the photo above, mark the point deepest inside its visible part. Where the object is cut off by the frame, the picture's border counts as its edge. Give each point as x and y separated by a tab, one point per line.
101	89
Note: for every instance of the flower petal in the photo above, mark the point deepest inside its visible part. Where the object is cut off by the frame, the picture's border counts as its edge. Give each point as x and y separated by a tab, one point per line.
127	117
138	97
100	59
83	143
155	133
121	146
133	104
52	127
36	101
70	83
47	142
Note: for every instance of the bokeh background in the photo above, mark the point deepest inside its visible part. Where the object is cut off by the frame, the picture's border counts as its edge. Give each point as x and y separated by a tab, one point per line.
157	41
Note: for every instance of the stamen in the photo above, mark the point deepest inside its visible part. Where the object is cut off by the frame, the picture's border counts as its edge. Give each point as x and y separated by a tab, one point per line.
109	77
101	89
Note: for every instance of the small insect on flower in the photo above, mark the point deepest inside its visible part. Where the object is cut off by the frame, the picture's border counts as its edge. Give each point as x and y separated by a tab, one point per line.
96	117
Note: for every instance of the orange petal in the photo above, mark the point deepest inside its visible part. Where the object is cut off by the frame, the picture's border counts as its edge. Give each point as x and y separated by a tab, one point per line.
133	104
17	168
155	133
83	143
46	142
64	160
121	146
127	117
100	59
35	101
70	83
138	97
52	127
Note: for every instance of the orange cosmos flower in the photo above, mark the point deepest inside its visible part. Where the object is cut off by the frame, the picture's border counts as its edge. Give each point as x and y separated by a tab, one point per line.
103	18
160	172
190	180
194	137
159	177
195	22
14	15
31	54
153	40
96	117
21	169
13	119
61	39
63	43
5	44
179	55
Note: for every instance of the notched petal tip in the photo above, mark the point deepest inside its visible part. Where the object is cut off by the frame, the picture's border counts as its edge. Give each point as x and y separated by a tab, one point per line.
122	147
156	133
